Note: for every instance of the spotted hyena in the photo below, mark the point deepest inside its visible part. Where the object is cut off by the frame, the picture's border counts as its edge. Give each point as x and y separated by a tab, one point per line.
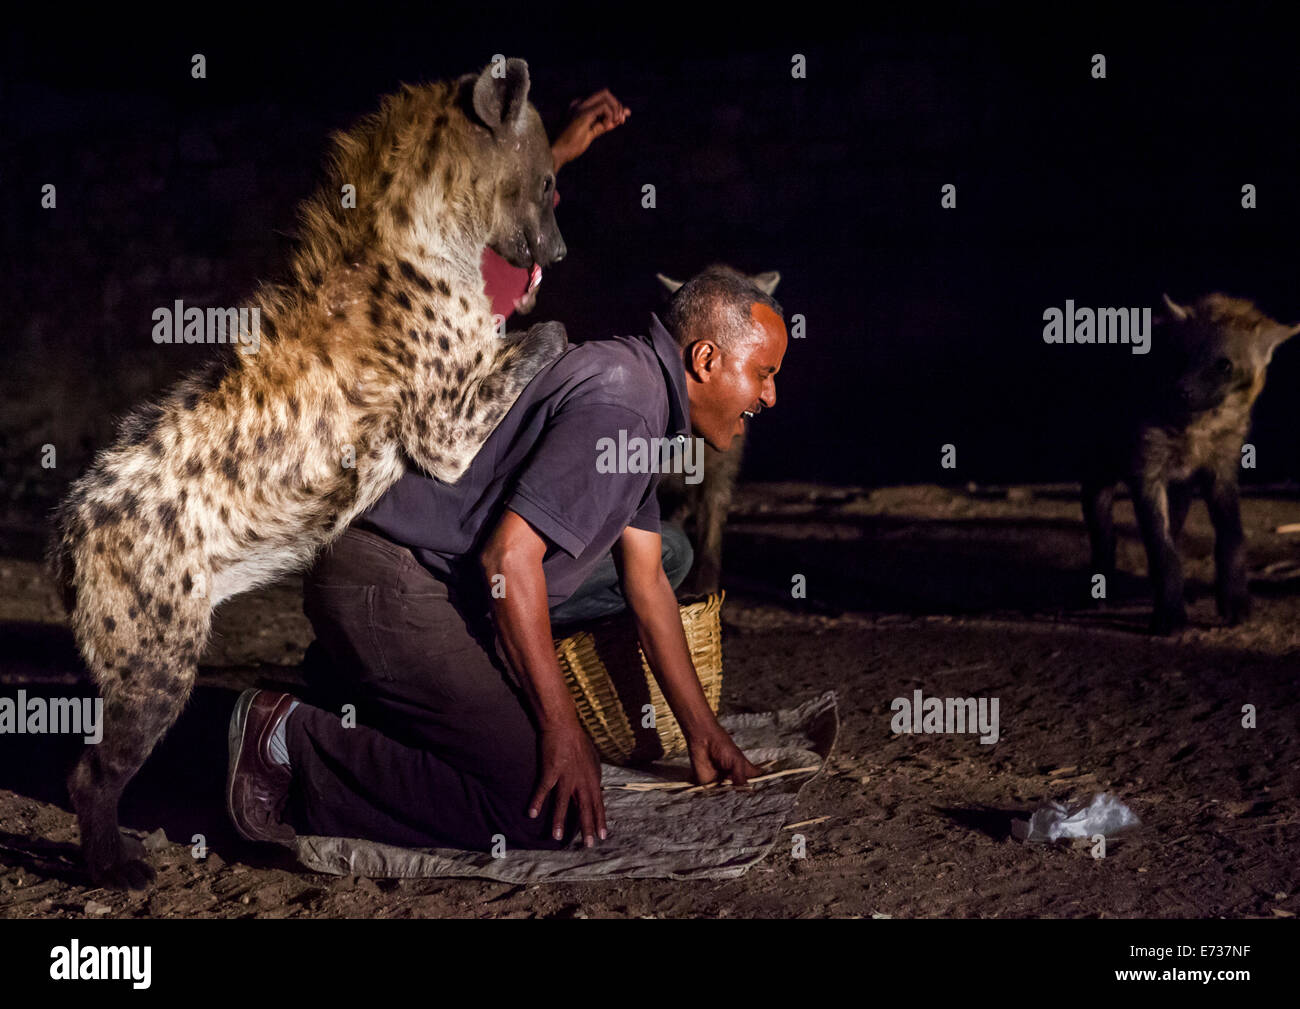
703	506
1178	431
379	350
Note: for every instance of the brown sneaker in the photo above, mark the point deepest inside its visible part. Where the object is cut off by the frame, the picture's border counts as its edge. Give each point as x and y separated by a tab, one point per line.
256	786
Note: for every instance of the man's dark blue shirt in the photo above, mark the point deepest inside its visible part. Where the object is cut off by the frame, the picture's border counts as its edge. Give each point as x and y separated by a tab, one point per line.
541	461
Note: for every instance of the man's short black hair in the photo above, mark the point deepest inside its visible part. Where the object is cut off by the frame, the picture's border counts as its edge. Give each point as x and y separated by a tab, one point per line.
715	304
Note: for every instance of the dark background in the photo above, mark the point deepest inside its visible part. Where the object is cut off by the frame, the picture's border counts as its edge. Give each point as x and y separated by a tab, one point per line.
923	325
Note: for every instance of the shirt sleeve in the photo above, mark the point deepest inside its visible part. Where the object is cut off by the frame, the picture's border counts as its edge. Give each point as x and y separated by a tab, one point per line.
647	515
571	484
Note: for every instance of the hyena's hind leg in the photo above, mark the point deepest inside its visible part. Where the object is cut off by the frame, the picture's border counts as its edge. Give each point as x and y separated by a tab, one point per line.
1098	513
1180	502
1165	568
1231	586
144	660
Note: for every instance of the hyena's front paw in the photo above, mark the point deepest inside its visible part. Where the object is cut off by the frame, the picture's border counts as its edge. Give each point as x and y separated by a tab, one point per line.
126	868
1168	619
1234	606
523	356
545	341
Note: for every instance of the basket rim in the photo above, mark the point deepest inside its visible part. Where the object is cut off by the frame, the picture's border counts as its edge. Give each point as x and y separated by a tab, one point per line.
695	609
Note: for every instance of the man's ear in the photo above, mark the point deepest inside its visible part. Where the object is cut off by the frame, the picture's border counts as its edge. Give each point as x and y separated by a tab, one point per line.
766	282
699	358
668	282
501	94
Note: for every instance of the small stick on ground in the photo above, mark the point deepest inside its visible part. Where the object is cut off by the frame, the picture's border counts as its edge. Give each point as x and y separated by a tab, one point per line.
653	786
805	823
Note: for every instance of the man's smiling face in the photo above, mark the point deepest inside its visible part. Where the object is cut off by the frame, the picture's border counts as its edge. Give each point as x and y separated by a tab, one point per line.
728	387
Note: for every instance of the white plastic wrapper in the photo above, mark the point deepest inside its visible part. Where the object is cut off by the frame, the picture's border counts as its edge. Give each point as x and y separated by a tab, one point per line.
1105	816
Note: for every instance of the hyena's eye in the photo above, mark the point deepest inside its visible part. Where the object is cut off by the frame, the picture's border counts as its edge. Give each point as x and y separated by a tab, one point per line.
1223	366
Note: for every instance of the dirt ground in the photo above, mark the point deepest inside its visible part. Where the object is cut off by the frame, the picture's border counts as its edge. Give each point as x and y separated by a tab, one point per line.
975	593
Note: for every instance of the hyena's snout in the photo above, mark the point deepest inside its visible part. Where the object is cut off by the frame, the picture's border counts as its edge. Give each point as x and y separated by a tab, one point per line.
1202	391
548	247
531	243
1194	383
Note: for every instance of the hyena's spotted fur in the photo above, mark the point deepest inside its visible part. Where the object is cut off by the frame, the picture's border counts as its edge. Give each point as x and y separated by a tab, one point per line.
1178	432
703	506
380	349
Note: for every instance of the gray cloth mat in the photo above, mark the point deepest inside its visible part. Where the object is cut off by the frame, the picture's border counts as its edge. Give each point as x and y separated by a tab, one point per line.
714	833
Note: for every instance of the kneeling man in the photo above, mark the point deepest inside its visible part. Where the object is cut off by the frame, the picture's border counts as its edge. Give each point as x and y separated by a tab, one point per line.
433	613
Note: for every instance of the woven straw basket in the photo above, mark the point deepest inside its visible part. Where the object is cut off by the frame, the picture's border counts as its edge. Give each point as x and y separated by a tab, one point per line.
610	681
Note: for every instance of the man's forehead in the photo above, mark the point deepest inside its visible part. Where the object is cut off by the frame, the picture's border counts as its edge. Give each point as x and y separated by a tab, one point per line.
764	316
771	335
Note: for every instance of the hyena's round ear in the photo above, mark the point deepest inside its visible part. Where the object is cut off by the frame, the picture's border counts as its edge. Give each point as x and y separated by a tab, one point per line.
501	94
767	281
1283	333
669	284
1179	313
1273	335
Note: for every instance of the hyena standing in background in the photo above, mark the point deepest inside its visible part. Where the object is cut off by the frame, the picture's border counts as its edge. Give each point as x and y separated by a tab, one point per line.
380	349
1181	433
706	503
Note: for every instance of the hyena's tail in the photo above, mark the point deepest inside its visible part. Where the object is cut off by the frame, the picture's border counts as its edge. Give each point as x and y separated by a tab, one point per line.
59	557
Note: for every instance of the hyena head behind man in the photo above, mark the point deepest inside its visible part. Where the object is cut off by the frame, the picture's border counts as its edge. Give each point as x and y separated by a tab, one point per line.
380	350
1177	432
703	506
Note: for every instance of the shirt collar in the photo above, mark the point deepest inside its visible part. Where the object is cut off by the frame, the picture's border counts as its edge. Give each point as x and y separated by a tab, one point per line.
670	360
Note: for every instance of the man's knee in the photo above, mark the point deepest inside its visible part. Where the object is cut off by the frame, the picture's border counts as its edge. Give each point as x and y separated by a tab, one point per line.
678	554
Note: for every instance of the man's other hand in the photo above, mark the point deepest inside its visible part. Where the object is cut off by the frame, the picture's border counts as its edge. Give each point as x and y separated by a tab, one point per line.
716	757
588	119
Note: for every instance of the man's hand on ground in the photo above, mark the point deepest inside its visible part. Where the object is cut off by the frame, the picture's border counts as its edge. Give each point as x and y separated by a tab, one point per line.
589	118
716	757
571	767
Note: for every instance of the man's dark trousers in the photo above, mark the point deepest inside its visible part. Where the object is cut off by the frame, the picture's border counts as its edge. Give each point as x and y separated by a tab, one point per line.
444	749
